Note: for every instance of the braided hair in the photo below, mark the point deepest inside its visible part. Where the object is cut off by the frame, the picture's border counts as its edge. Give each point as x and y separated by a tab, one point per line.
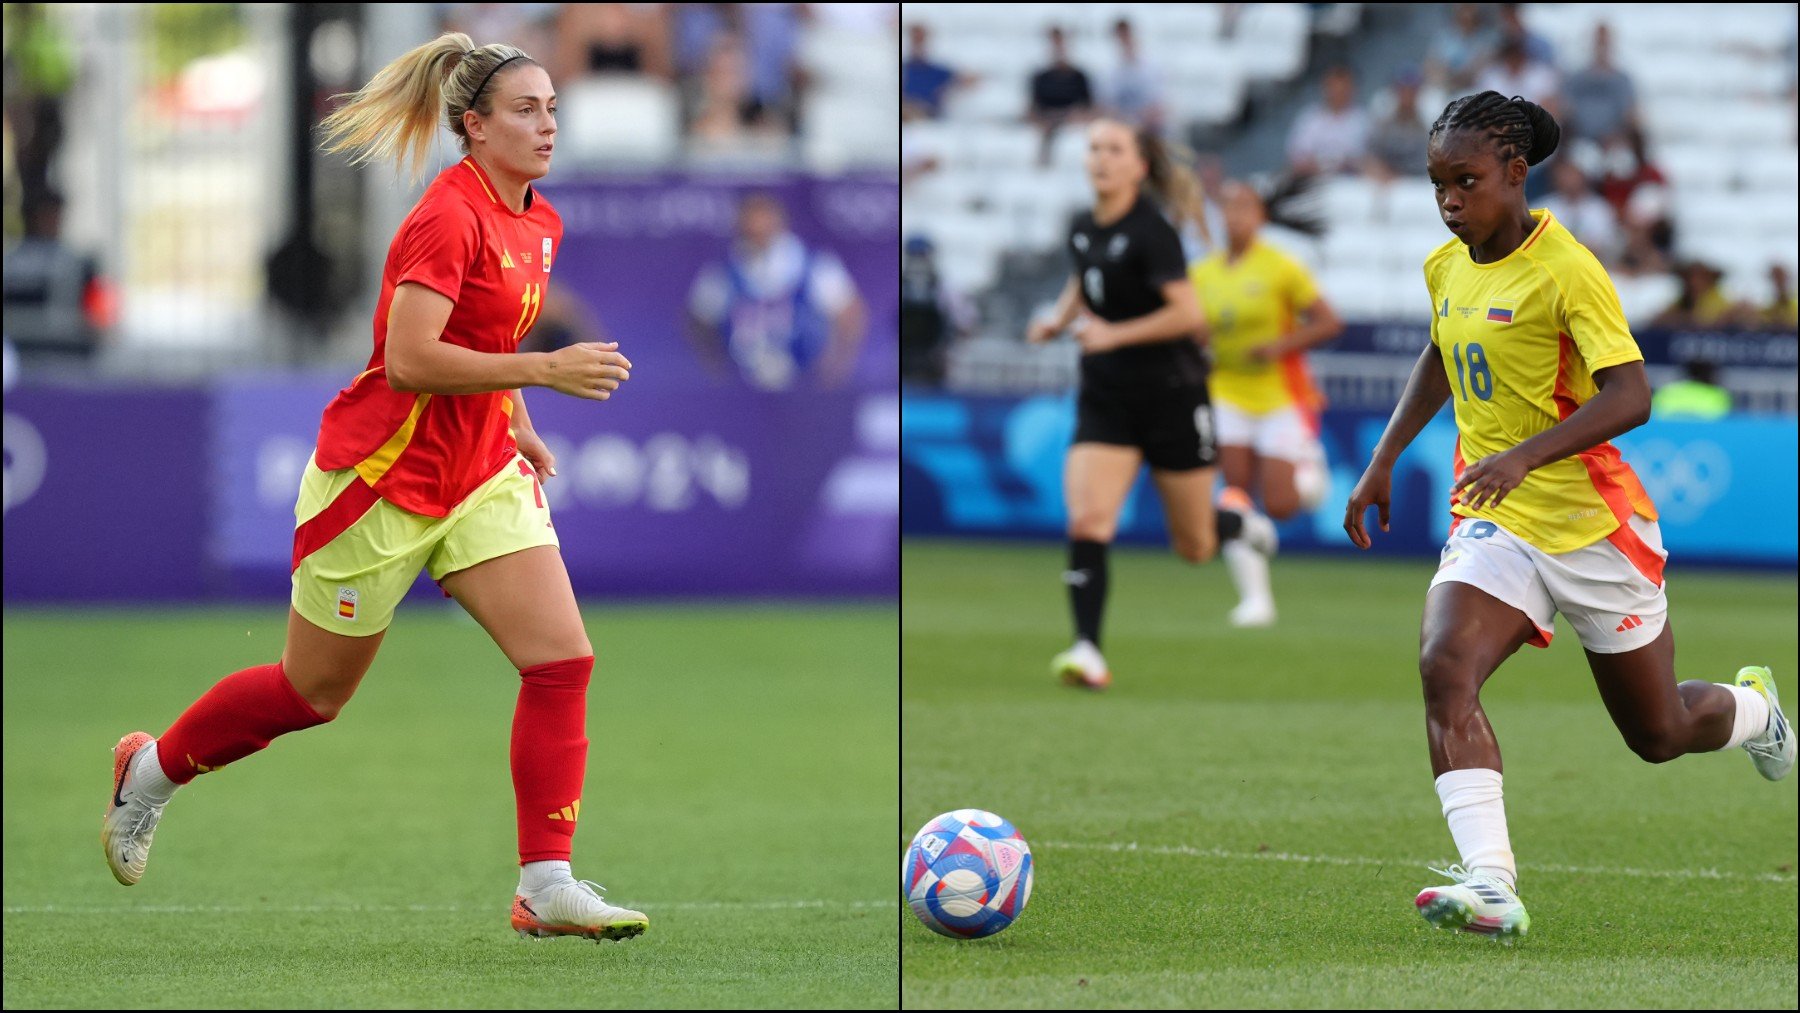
1517	128
1293	201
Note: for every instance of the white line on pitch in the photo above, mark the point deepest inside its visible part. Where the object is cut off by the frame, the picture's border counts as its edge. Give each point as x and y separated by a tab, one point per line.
772	905
1188	851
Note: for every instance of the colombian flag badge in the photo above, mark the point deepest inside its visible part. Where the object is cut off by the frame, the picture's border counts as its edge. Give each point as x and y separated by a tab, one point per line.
1500	312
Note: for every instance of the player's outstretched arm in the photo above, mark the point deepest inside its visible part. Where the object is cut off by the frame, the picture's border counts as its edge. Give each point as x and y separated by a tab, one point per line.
417	362
1621	405
1426	391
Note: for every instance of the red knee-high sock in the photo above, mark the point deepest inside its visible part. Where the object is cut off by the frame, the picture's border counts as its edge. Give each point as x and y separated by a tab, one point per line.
237	717
549	756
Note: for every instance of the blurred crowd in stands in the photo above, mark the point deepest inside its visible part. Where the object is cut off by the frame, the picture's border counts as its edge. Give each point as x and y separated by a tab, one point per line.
1603	182
735	67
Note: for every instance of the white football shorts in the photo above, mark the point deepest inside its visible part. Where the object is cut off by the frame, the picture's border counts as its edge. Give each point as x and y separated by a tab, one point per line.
1615	603
1282	433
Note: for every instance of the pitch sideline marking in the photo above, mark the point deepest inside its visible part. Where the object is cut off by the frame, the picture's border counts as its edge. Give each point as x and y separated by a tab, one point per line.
417	908
1189	851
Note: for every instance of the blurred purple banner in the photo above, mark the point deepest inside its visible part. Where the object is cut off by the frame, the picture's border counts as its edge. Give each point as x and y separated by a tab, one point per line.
107	492
122	494
633	247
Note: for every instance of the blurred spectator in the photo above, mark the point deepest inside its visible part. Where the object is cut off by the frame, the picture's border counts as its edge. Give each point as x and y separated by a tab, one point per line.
1397	140
612	39
1133	90
774	309
1059	93
1332	135
56	302
762	37
1515	72
1639	193
1601	100
1460	50
924	82
1512	26
1695	397
1701	302
932	315
39	71
917	158
726	113
1584	213
523	25
1782	311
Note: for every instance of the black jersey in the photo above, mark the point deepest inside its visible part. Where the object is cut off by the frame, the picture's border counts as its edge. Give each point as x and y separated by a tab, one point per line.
1121	269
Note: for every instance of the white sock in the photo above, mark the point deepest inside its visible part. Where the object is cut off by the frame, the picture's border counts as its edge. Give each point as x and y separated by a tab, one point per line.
1751	719
535	877
1249	571
148	779
1477	818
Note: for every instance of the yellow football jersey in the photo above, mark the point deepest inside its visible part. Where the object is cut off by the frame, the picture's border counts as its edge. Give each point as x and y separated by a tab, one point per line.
1521	339
1254	302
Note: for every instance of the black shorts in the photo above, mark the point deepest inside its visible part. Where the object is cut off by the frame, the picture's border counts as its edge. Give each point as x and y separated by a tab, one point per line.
1171	423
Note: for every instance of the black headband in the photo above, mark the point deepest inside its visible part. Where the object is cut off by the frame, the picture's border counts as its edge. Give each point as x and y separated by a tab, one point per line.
490	77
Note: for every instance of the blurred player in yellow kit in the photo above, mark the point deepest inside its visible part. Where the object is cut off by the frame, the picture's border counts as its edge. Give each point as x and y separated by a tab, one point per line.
1264	311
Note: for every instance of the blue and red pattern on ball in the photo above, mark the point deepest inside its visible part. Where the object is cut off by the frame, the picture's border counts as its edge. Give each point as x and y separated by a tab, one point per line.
980	845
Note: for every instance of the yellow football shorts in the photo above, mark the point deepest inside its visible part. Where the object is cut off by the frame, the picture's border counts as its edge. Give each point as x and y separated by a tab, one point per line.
356	554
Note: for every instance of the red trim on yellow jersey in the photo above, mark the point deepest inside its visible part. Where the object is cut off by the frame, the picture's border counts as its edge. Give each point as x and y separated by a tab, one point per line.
1535	234
1612	478
1305	394
334	520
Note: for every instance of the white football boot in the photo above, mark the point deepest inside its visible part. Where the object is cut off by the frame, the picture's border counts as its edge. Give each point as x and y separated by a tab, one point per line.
1082	665
1312	477
1482	904
1253	613
130	821
575	908
1773	750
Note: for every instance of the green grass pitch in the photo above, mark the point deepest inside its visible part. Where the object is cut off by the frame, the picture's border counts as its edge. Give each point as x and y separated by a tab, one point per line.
1243	819
740	790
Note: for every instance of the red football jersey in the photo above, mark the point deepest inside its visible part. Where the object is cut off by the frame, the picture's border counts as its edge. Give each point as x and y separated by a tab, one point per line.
425	452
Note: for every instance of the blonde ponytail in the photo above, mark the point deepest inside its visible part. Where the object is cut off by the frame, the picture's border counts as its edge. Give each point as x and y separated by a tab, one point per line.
394	116
1172	180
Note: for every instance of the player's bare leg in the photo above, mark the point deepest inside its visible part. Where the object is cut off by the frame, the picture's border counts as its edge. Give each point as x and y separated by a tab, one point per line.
318	672
1661	719
1277	487
325	667
525	602
1097	478
1187	499
1465	636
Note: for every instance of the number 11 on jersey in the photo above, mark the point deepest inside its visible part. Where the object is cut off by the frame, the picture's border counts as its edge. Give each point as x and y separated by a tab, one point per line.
531	301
